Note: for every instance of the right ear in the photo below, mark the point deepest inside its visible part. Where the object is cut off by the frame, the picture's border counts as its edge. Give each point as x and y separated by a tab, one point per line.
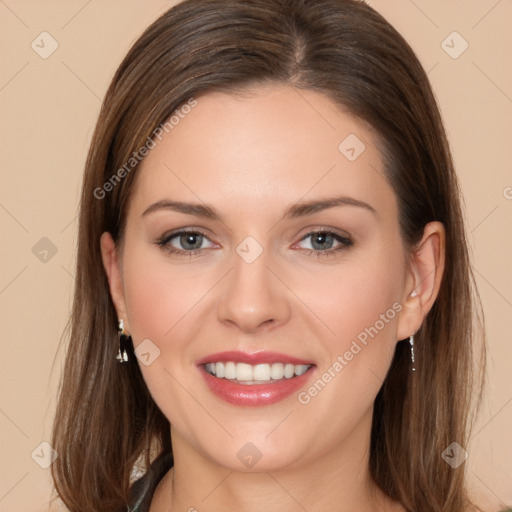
112	267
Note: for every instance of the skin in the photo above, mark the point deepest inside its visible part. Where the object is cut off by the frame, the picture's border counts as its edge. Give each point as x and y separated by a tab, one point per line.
250	157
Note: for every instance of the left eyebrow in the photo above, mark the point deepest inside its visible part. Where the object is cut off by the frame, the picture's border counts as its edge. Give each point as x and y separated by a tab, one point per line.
296	210
310	207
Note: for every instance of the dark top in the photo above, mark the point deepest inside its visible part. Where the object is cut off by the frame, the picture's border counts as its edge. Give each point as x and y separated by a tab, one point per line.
143	489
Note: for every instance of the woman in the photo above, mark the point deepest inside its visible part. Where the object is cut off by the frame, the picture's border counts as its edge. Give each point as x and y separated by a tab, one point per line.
274	305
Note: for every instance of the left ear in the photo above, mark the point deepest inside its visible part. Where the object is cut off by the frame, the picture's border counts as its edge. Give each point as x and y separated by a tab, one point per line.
423	279
111	264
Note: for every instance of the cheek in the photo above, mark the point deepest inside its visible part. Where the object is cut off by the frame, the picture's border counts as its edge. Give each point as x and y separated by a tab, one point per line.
165	303
364	314
366	302
361	306
157	295
161	300
359	295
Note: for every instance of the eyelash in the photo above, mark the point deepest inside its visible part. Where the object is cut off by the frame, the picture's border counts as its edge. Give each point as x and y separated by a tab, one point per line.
163	243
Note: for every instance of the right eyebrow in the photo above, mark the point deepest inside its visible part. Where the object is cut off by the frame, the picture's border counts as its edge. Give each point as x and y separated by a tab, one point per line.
199	210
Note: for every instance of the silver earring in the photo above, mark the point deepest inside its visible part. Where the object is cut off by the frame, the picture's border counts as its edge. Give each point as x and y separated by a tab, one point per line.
411	342
122	355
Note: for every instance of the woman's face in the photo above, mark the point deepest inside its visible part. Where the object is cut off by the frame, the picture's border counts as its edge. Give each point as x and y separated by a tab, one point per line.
294	256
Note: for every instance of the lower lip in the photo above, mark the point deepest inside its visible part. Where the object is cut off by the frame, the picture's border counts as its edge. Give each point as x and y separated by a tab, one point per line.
254	394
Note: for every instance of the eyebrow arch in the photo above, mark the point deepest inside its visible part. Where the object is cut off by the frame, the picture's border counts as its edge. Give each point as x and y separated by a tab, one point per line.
199	210
297	210
307	208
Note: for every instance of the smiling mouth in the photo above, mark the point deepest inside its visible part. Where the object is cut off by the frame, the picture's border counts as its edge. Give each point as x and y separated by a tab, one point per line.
264	373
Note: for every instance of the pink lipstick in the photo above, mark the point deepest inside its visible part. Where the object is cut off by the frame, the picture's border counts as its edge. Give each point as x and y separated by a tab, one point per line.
261	378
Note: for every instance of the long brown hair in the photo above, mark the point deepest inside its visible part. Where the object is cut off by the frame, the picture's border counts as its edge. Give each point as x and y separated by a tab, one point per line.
106	419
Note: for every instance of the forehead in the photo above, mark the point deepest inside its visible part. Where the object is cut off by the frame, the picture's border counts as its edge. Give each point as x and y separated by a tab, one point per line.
270	146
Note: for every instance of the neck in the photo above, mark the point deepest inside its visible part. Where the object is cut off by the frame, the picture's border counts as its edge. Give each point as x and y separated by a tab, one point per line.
338	480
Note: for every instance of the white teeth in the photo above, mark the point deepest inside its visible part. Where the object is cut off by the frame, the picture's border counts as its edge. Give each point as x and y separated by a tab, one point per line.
261	372
289	371
301	368
230	370
219	370
277	371
249	374
243	371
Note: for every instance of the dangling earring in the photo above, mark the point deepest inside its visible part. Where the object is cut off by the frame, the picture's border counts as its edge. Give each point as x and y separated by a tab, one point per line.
122	355
411	342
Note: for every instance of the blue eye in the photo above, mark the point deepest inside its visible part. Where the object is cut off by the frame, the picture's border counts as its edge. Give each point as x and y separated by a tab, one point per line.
322	243
183	242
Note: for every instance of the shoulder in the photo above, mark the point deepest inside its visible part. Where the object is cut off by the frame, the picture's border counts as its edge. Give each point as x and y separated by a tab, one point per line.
142	490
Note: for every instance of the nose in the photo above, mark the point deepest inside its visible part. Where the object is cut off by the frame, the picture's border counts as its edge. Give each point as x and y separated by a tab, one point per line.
253	298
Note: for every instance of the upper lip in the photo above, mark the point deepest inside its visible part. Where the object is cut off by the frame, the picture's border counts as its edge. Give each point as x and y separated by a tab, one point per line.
255	358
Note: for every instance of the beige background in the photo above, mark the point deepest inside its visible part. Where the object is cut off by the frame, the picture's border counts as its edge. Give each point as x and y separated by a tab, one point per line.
49	108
